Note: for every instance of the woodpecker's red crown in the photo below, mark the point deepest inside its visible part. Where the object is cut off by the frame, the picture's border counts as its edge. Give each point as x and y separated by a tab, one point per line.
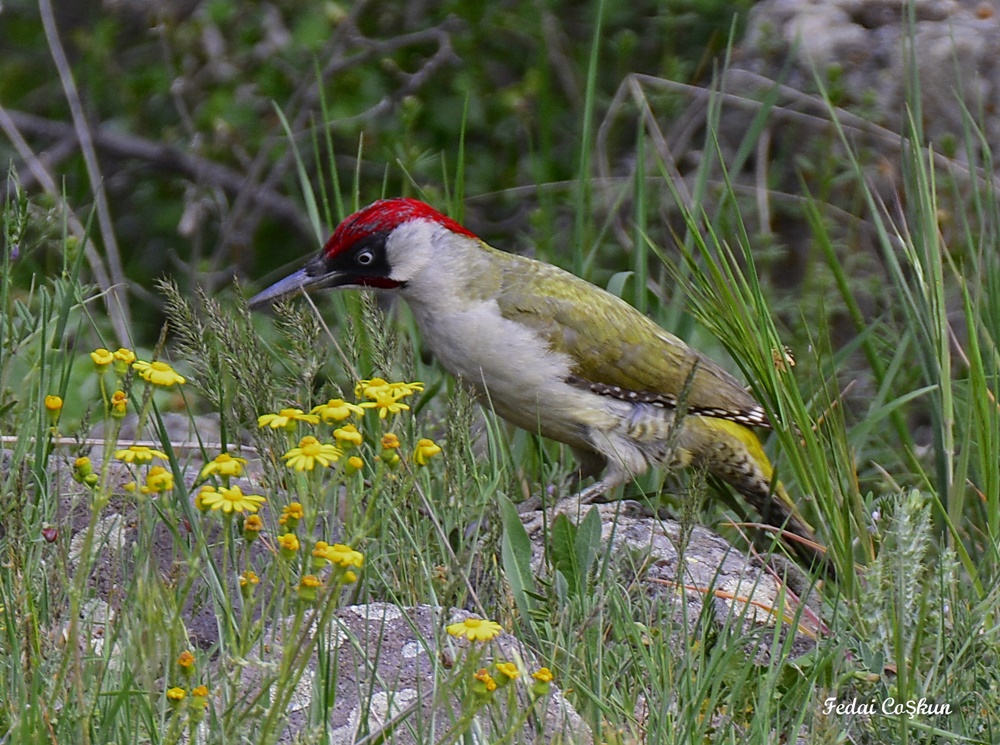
384	216
360	252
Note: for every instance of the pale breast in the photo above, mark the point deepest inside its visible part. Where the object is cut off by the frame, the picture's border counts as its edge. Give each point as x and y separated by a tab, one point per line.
514	370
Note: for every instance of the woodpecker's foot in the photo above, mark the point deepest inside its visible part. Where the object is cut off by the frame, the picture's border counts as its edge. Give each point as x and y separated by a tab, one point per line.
605	486
591	493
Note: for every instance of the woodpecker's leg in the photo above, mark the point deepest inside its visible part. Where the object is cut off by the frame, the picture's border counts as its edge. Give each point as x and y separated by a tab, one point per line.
588	464
613	478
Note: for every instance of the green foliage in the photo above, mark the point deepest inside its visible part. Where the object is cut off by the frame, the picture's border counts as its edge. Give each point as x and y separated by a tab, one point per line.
887	428
197	85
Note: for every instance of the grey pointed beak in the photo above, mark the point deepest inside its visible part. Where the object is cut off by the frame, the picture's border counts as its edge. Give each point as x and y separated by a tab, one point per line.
290	285
294	284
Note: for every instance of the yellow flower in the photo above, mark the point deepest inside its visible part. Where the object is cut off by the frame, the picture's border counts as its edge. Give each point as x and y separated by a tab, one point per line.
389	456
318	560
543	680
485	682
387	403
377	387
286	419
406	389
354	464
158	481
53	404
198	703
475	629
248	580
119	404
223	465
252	527
310	452
309	587
288	544
344	556
543	674
176	694
139	454
371	388
291	515
83	472
158	373
186	660
186	663
426	449
348	577
123	359
231	500
102	358
199	498
124	355
336	410
347	436
509	670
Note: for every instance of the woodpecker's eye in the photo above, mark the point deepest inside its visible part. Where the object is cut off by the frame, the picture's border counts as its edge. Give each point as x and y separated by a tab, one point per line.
365	258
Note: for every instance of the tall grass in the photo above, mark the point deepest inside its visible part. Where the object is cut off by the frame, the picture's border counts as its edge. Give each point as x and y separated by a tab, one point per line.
910	519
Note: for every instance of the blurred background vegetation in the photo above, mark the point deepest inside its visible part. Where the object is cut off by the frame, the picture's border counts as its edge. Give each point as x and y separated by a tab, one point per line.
180	99
174	138
149	139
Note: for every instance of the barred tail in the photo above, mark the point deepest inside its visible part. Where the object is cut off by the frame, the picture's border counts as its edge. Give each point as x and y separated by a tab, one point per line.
733	453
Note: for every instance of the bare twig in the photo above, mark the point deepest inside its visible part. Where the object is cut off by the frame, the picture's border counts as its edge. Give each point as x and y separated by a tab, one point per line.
168	158
824	119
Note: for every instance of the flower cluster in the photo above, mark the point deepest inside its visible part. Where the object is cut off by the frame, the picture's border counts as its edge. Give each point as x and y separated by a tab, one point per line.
475	629
505	673
485	681
376	394
341	559
385	397
122	362
342	447
228	500
158	480
193	702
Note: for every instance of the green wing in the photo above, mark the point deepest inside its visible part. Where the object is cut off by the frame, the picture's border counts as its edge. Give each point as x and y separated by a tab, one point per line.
614	345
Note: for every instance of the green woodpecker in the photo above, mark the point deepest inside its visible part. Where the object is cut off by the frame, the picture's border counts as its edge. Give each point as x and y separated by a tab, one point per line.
554	354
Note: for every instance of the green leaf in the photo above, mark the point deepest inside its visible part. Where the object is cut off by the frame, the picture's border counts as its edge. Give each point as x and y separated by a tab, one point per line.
616	285
562	549
515	552
588	541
